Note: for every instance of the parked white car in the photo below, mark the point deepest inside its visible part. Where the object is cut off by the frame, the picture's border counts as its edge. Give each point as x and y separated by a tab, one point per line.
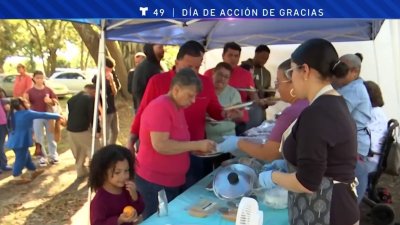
7	85
75	81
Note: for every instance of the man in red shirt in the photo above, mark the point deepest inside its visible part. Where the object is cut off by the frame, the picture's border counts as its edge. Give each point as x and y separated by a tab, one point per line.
190	55
23	82
240	77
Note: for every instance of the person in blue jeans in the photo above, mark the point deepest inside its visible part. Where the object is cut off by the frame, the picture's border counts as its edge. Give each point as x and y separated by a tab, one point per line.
20	138
3	134
352	88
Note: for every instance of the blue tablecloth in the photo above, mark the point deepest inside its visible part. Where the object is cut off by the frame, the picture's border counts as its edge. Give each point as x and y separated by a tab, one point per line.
178	209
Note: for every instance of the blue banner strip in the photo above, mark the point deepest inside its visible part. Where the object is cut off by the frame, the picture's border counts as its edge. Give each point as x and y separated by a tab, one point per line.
192	9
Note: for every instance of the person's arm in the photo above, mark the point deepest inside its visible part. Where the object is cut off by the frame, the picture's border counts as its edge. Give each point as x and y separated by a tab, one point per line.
214	108
253	96
289	181
113	86
43	115
312	154
98	214
28	83
116	81
51	99
268	151
163	144
150	93
129	82
26	96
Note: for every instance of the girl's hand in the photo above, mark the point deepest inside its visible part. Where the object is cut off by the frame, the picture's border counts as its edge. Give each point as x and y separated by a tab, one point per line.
131	188
124	219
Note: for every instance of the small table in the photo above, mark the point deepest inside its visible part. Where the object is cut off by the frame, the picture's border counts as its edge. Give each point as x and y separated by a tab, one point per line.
178	209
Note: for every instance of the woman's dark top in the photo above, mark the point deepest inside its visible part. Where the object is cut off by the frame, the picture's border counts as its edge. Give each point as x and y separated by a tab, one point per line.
323	143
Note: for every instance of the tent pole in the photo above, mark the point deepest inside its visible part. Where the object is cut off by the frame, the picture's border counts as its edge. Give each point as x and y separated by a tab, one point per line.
117	24
100	72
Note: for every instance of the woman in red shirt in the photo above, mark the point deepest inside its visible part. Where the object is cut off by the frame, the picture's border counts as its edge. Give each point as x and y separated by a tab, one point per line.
163	157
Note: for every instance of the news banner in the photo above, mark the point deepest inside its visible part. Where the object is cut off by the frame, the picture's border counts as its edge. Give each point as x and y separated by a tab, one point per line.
192	9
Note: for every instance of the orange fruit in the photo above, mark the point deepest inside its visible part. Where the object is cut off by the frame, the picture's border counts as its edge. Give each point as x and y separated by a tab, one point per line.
129	211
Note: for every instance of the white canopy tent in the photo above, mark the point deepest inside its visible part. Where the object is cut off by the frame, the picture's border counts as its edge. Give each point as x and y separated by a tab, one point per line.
381	56
381	50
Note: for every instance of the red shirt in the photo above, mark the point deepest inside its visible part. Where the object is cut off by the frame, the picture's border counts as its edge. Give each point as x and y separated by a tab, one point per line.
22	84
36	98
240	78
206	102
106	207
162	115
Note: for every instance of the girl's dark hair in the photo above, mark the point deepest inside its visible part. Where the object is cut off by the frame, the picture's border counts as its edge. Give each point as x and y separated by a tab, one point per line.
106	158
187	77
320	55
284	65
375	94
360	56
16	104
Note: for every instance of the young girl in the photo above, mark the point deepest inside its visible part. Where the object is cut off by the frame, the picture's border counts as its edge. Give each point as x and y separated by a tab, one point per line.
20	138
111	175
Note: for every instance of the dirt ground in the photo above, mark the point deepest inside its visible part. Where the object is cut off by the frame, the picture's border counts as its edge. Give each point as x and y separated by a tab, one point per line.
57	198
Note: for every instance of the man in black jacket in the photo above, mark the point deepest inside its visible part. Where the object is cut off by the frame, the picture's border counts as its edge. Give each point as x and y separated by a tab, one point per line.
138	58
79	124
149	67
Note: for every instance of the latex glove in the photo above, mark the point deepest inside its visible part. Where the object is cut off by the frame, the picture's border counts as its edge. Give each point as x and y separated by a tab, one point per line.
265	179
279	164
229	144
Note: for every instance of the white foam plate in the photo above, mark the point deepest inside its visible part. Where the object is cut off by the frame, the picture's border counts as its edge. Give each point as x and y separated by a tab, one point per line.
238	106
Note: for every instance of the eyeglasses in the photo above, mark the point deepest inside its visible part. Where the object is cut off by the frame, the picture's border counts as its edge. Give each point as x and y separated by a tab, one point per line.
277	83
289	72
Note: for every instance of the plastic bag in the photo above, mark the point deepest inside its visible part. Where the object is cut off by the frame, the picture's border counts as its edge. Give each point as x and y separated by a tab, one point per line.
276	198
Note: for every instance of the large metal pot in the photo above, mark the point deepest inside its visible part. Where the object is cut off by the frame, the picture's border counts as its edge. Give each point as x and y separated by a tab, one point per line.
234	181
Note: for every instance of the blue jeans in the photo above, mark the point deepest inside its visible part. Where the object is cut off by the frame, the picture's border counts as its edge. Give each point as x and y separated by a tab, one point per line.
38	125
3	158
22	159
149	192
362	176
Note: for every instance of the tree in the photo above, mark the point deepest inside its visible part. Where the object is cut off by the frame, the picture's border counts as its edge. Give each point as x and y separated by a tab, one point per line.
9	41
48	36
90	36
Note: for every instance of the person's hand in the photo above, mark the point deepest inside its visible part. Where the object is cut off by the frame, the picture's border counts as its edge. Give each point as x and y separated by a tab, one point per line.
206	146
109	76
233	114
6	107
265	179
131	188
267	101
63	121
279	164
48	100
229	144
130	144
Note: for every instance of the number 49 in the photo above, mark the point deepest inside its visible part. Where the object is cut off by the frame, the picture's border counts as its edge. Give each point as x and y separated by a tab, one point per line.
158	11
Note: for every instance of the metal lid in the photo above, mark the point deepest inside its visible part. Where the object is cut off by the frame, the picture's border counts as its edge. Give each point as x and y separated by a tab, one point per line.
234	181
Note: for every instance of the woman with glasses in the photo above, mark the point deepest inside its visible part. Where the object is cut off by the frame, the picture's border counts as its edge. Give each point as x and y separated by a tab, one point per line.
227	96
321	150
270	150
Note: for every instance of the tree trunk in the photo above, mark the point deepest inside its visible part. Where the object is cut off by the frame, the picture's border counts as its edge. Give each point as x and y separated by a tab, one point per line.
91	39
51	62
129	50
2	61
